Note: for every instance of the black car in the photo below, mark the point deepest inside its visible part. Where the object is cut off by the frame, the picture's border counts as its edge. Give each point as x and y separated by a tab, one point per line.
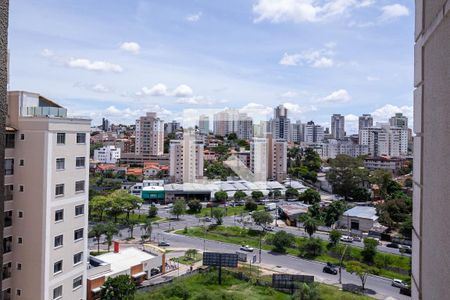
330	269
393	245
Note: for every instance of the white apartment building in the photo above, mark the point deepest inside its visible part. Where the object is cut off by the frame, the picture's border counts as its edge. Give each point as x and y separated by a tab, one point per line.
333	148
226	122
297	132
149	136
280	125
203	125
268	158
337	126
364	121
399	120
186	159
107	155
259	159
313	133
245	127
46	207
385	140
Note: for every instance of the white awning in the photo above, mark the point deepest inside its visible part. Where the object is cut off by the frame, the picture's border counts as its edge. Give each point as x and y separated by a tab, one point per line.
96	290
137	275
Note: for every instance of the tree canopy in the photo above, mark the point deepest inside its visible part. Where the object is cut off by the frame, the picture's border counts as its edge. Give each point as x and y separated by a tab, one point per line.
119	287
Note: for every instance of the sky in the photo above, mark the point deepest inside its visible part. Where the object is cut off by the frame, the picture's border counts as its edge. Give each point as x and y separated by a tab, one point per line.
119	59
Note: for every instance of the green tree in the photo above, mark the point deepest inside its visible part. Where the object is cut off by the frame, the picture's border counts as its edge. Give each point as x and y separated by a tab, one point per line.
282	240
152	211
99	204
307	291
262	218
257	195
97	231
179	208
147	227
360	270
310	196
250	205
128	201
334	237
277	194
311	248
221	196
194	206
291	193
191	253
110	231
406	228
131	224
239	195
119	287
370	250
333	212
218	214
310	224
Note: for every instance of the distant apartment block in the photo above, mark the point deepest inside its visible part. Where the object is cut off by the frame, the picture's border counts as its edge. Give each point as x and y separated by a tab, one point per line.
365	121
399	120
280	125
149	136
332	148
313	133
46	207
107	154
203	124
232	121
186	159
337	126
171	127
385	140
297	129
268	158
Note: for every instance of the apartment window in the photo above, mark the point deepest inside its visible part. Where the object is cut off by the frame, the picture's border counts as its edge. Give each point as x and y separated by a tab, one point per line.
59	190
59	239
20	214
10	140
78	234
21	163
7	244
77	258
57	267
7	218
9	166
19	266
60	163
18	292
79	210
79	186
19	240
22	136
80	162
59	215
81	138
9	188
57	292
77	282
20	188
7	270
60	138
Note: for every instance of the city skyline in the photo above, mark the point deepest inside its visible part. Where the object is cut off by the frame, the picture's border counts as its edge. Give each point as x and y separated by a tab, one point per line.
144	67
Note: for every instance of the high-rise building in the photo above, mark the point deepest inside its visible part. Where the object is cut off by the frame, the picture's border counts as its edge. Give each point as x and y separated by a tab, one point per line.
108	154
337	126
186	159
245	127
313	133
105	124
226	122
149	136
280	125
203	125
259	156
47	161
297	132
385	140
431	205
399	120
268	158
171	127
366	120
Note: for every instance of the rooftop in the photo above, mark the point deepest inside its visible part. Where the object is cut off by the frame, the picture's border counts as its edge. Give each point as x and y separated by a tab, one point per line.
124	259
363	212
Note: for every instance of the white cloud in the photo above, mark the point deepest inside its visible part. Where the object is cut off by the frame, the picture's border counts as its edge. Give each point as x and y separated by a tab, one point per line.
255	109
131	47
394	11
298	11
47	53
183	91
372	78
289	94
351	124
297	109
159	89
97	88
199	100
339	96
383	113
194	17
98	66
313	58
351	118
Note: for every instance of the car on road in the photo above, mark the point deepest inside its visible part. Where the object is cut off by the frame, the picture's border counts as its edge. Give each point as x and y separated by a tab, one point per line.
357	239
163	244
268	228
347	239
330	269
207	219
398	283
247	248
406	249
393	245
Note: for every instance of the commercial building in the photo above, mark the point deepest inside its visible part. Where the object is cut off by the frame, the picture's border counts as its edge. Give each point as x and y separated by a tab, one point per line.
46	191
337	126
203	125
359	219
431	205
107	155
186	158
149	136
365	121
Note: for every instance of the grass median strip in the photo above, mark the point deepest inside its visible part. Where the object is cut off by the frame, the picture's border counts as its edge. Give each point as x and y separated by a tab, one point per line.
386	265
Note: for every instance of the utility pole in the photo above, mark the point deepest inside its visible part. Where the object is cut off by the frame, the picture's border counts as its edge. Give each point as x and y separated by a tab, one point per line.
4	12
340	264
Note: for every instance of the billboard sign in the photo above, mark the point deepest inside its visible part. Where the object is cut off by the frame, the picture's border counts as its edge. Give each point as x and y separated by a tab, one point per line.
216	259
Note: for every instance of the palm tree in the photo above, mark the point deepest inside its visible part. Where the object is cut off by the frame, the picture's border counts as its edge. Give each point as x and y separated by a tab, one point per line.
131	224
97	231
147	228
110	231
310	224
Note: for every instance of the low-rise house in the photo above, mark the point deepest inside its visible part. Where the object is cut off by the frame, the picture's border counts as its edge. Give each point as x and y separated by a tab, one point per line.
292	212
359	218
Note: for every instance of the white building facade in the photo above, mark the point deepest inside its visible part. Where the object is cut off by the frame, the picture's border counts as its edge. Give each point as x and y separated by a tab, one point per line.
107	154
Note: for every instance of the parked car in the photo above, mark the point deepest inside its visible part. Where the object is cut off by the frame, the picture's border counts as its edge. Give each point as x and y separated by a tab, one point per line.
207	219
163	244
393	245
154	271
246	248
357	239
330	269
268	228
406	249
398	283
347	239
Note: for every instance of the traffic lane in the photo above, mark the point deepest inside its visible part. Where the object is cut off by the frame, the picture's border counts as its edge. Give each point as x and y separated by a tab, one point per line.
380	285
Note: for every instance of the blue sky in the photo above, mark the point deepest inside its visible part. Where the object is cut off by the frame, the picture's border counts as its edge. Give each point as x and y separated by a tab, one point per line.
120	58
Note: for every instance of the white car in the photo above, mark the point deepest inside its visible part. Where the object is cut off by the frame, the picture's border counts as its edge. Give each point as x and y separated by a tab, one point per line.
356	239
398	283
246	248
347	239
